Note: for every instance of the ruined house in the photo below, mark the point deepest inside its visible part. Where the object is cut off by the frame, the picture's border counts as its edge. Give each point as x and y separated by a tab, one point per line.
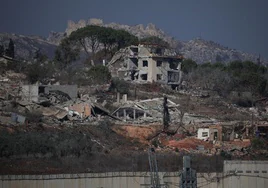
148	63
210	133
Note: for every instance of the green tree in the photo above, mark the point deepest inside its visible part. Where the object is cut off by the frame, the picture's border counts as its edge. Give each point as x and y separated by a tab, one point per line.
218	65
40	71
99	74
188	65
90	39
87	38
10	51
2	50
66	53
107	37
124	39
39	56
120	86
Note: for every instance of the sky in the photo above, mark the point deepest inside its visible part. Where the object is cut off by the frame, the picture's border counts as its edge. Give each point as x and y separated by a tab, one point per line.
238	24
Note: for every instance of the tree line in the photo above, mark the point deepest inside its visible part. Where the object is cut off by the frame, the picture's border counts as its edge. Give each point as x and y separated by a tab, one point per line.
92	40
240	76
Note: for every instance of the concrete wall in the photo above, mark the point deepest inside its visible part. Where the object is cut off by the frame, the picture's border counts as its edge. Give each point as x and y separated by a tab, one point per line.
92	180
29	92
129	180
245	174
200	133
71	90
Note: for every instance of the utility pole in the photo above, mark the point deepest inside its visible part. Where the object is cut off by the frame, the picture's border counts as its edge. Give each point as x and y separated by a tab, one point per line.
166	116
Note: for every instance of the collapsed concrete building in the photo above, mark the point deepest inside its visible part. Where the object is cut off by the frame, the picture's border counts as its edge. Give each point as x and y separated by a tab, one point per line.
149	110
148	63
35	92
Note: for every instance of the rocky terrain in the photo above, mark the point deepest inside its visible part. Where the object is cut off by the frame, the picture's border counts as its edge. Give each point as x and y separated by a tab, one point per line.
200	50
203	51
26	46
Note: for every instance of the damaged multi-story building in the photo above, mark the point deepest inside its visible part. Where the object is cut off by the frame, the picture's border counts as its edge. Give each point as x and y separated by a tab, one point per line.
148	63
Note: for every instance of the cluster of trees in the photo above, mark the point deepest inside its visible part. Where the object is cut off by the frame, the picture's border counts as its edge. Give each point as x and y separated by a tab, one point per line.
241	76
93	39
10	51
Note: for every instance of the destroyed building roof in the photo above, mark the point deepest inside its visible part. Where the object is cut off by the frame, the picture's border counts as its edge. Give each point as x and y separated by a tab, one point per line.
152	107
130	111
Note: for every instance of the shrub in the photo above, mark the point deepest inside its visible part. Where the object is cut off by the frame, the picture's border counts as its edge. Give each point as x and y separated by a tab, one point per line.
120	86
99	74
258	143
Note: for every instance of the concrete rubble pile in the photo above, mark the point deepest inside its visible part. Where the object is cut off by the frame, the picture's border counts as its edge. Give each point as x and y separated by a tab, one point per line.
150	110
52	103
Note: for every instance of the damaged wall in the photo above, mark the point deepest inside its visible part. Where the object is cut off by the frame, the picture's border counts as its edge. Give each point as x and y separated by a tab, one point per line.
71	90
32	92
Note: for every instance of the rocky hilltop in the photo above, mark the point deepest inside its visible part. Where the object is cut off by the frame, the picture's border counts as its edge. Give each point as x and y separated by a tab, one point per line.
203	51
197	49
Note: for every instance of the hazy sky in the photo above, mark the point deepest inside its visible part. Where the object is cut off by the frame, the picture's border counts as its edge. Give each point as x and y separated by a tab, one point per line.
239	24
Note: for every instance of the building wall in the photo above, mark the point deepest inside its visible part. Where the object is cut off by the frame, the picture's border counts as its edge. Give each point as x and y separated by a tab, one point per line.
160	70
245	174
200	132
71	90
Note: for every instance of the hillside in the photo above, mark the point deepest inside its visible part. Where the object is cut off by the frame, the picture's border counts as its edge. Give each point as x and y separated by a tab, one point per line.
200	50
26	46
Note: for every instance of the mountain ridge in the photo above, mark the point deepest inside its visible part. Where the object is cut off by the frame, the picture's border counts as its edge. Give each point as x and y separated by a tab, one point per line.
198	49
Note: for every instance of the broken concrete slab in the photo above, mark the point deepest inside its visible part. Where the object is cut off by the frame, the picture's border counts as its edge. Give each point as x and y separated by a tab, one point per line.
61	114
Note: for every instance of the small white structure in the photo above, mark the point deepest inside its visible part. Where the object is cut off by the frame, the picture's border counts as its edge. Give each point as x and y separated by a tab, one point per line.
203	133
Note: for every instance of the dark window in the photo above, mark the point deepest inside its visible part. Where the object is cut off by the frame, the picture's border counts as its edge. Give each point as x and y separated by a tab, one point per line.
159	63
239	171
248	171
256	171
135	50
144	76
264	171
41	89
145	63
159	77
